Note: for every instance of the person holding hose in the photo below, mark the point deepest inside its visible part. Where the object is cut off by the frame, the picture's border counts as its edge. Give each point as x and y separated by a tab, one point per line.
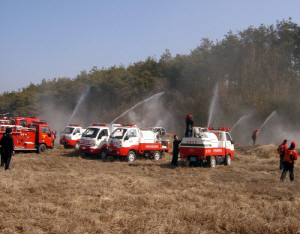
281	150
288	162
254	136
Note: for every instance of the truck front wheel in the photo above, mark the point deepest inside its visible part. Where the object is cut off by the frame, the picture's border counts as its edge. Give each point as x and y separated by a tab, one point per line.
41	148
103	155
227	160
131	156
212	161
76	146
156	155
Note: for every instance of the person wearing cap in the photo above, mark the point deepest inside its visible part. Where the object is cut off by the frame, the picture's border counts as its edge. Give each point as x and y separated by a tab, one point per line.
288	162
254	136
7	143
281	150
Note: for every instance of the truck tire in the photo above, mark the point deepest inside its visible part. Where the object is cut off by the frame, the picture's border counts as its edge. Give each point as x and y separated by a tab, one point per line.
76	146
156	155
212	161
103	155
41	148
131	156
227	161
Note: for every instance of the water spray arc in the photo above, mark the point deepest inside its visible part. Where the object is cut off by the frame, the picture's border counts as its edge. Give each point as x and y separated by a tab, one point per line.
267	120
213	103
79	102
239	121
137	105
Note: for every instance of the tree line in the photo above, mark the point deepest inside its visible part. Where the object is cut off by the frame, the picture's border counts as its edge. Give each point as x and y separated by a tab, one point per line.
256	69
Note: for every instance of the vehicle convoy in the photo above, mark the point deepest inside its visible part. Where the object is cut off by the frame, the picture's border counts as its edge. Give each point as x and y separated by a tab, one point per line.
129	141
94	139
71	135
31	135
208	146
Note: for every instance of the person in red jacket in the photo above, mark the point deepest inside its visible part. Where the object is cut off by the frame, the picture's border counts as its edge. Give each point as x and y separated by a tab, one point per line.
288	162
281	150
254	136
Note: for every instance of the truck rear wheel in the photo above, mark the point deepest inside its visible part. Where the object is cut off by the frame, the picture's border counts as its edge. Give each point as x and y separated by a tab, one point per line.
156	155
41	148
227	160
76	146
131	156
212	161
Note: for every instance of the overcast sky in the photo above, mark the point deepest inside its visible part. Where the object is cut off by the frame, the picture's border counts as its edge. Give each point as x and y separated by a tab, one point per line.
59	38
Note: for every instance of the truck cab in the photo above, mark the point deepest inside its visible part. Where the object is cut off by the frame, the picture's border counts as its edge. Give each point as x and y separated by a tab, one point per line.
71	135
209	146
94	139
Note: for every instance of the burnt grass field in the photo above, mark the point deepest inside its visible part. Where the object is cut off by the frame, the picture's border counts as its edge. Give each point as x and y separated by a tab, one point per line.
62	191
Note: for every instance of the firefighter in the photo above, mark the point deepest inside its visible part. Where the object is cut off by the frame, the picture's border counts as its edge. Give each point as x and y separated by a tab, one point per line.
176	143
254	136
281	150
7	143
288	162
189	120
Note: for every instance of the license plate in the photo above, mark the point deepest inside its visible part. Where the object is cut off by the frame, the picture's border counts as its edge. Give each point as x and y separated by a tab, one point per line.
110	149
83	147
193	159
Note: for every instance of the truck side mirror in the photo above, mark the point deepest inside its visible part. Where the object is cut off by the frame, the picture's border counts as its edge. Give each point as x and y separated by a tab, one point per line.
232	142
126	138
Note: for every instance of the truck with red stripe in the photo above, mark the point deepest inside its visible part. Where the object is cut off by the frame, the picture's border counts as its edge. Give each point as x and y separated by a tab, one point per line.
209	146
94	139
130	142
71	135
30	136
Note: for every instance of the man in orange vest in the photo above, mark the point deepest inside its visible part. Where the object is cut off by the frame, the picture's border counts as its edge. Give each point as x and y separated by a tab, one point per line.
288	162
254	136
281	150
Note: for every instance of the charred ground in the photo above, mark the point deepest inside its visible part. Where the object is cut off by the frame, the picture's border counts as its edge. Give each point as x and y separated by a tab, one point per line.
63	192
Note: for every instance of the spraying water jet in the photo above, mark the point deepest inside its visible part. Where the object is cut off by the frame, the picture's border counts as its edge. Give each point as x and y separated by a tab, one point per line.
137	105
79	102
213	103
239	121
267	120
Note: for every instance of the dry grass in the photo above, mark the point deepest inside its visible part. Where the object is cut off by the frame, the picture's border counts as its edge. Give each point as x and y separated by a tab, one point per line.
62	192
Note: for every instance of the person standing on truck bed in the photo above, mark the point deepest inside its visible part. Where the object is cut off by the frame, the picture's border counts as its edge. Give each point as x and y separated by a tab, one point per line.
254	136
281	150
176	143
7	143
189	120
288	162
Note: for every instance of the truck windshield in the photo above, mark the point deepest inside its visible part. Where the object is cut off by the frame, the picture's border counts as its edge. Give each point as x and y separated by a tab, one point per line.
118	133
91	132
68	130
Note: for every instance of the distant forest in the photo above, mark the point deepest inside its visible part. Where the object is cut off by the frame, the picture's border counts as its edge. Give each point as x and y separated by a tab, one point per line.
256	70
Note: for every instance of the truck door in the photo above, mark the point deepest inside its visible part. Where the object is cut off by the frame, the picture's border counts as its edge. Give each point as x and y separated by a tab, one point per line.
46	136
228	143
131	138
102	138
77	134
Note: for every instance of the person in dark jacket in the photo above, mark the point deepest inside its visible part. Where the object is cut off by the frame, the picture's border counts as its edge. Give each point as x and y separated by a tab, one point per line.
189	120
176	143
7	143
281	151
288	162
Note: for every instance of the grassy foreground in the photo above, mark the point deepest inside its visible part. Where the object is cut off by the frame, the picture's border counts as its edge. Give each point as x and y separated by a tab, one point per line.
62	192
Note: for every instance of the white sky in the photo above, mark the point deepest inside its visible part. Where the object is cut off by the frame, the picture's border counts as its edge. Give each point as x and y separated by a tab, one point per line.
59	38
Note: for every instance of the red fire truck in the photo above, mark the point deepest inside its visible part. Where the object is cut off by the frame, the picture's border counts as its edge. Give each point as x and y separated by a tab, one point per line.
32	135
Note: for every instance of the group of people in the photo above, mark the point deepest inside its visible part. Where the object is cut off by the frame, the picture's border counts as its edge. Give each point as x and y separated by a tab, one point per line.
7	148
287	156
